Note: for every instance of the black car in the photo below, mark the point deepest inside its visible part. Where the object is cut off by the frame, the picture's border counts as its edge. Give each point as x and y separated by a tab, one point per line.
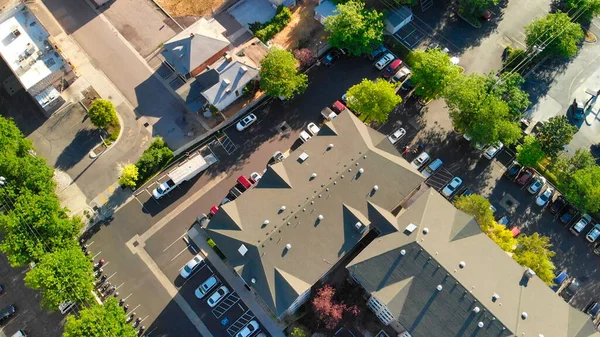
407	85
7	313
331	56
567	214
569	291
558	204
592	309
513	170
596	249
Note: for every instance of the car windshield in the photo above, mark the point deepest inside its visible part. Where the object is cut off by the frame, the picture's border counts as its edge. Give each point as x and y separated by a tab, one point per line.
159	190
187	268
251	327
451	187
544	197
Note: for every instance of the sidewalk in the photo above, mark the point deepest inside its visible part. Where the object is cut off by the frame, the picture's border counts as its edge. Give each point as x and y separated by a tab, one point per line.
236	283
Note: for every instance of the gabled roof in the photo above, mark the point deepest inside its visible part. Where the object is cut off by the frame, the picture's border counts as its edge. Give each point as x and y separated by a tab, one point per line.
397	15
426	259
339	193
224	82
193	46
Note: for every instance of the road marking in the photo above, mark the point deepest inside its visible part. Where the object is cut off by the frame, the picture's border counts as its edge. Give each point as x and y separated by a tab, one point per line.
119	286
133	310
181	252
174	242
125	298
95	256
113	274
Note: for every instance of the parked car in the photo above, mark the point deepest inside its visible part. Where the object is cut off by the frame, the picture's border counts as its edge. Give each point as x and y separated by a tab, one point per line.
213	211
558	204
255	177
8	312
407	85
192	265
432	167
401	74
592	309
451	187
578	109
331	56
328	114
245	182
420	160
384	61
559	279
567	214
538	125
206	286
304	136
392	68
493	150
467	192
524	176
580	225
248	330
513	170
593	234
596	249
486	15
338	106
515	231
278	156
245	122
543	198
217	296
570	290
377	52
312	128
395	136
536	185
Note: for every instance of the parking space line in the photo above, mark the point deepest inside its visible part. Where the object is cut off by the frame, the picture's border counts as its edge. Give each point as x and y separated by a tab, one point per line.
133	310
95	256
113	274
181	252
125	298
174	242
117	288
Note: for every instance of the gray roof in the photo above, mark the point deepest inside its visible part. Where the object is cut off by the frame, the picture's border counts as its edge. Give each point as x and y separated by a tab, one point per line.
407	283
398	15
220	83
338	192
193	46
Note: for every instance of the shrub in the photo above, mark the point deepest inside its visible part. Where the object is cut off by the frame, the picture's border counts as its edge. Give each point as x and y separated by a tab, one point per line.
514	58
129	175
153	160
265	32
304	55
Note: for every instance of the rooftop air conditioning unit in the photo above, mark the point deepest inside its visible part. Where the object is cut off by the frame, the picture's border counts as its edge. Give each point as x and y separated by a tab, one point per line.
360	227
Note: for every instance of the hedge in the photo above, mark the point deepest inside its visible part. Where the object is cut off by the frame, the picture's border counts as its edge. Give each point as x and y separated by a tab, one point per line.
267	31
154	159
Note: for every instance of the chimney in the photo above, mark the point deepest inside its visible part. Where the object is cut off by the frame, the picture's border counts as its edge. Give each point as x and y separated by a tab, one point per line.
243	69
226	82
191	34
228	57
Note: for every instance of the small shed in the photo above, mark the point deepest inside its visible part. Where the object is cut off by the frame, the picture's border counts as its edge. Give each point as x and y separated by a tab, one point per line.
324	9
398	18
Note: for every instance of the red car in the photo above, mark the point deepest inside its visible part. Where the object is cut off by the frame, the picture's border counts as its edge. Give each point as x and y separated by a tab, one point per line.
524	176
244	182
392	68
338	106
515	231
213	211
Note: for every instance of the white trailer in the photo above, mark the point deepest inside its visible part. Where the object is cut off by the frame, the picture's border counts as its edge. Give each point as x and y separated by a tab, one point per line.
184	172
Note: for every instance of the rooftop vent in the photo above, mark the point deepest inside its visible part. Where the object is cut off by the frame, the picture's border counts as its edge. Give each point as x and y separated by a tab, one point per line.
314	175
330	146
266	222
253	280
288	246
320	217
242	250
480	324
439	287
228	90
462	264
243	69
191	34
425	230
302	157
361	170
375	188
360	227
411	228
524	315
495	297
529	273
282	208
228	57
226	81
403	252
476	310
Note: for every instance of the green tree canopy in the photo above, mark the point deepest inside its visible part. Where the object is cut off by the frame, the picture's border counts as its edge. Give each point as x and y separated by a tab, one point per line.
475	109
299	332
354	28
508	88
584	9
62	276
279	76
35	224
129	175
502	236
555	134
432	71
102	113
556	33
479	207
530	152
534	251
583	189
373	100
153	160
564	166
103	320
475	7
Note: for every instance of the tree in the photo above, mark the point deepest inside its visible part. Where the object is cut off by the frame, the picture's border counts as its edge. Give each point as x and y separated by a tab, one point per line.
129	175
102	113
327	310
534	251
475	109
583	189
99	321
479	207
304	56
564	166
530	152
298	332
35	225
555	33
432	71
62	276
508	88
373	100
153	159
476	7
355	28
279	76
585	9
555	134
502	237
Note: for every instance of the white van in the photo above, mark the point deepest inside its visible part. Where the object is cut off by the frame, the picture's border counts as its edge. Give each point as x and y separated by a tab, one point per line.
428	171
19	333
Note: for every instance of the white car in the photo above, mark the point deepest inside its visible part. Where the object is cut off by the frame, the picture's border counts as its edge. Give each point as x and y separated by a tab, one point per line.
452	186
401	75
217	296
593	234
245	122
384	61
420	160
278	156
255	176
248	329
537	184
493	150
304	136
396	135
581	224
543	198
206	286
189	268
312	129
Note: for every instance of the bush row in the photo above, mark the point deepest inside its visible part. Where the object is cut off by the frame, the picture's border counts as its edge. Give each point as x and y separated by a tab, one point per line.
266	31
154	159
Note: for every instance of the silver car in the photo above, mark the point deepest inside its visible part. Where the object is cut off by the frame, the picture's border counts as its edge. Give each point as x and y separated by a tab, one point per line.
396	135
452	186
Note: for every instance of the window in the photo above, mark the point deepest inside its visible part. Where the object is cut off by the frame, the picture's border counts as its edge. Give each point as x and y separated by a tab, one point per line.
237	93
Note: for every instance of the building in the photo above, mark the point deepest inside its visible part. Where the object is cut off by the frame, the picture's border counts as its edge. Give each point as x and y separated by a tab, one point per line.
35	62
397	18
198	46
439	275
311	210
324	10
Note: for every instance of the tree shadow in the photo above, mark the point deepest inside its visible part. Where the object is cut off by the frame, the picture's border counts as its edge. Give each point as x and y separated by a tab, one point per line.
81	145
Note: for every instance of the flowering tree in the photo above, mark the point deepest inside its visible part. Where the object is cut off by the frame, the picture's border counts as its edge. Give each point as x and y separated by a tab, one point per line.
304	55
328	311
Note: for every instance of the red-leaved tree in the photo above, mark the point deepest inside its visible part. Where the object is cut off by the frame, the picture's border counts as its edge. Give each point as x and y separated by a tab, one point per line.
328	311
304	55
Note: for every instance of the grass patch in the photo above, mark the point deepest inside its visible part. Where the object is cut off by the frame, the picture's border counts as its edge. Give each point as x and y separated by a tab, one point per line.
545	169
396	47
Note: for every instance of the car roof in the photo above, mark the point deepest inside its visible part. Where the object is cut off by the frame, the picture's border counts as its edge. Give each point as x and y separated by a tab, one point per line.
396	63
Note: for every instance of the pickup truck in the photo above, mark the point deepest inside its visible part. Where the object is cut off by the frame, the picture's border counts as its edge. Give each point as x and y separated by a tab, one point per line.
164	188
